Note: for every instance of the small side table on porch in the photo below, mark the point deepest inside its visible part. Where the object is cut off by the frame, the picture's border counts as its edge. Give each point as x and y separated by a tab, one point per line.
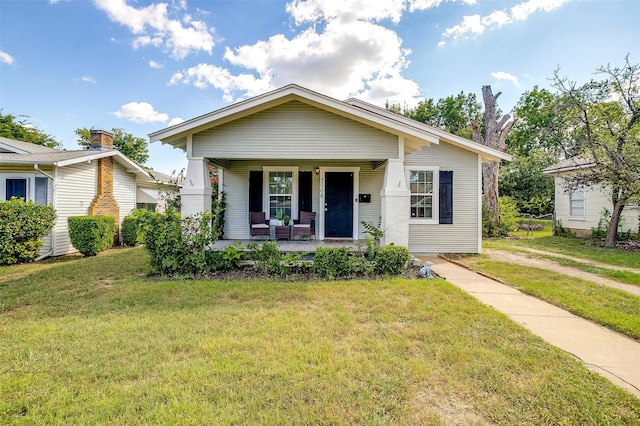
283	232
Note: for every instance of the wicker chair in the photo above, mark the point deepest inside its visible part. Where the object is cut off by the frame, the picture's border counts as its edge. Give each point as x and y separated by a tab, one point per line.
305	226
258	225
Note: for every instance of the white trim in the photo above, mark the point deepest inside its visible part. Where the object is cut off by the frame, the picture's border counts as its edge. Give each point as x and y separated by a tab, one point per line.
321	204
29	177
584	203
435	200
294	188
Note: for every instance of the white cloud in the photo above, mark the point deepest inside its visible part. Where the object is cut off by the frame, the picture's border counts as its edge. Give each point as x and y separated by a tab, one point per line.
475	25
350	56
155	65
6	58
152	26
88	79
501	75
174	121
140	112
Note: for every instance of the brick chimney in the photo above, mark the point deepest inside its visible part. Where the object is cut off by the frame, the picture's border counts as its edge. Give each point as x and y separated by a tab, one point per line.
104	202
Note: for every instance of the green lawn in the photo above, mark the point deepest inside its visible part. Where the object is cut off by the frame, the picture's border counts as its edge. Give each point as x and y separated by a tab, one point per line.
613	308
582	248
91	341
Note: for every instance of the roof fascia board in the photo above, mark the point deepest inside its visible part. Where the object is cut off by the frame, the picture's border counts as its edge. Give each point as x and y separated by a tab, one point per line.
281	96
554	171
12	149
441	134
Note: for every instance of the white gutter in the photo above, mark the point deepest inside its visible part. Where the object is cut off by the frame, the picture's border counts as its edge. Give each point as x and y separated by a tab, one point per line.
35	166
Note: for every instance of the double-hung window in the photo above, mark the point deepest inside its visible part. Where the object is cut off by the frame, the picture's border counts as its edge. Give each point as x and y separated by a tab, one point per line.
16	187
423	184
576	203
281	191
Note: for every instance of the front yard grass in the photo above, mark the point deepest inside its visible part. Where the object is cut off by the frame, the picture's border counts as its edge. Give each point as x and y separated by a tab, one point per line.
613	308
577	247
91	341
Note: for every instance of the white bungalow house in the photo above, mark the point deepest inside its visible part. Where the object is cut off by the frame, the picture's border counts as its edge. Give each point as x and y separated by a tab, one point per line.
579	209
295	150
100	180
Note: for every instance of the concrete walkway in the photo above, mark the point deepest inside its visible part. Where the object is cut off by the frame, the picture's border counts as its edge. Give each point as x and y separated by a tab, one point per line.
610	354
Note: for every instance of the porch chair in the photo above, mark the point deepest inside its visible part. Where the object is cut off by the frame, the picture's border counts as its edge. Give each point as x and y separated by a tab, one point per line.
258	225
305	226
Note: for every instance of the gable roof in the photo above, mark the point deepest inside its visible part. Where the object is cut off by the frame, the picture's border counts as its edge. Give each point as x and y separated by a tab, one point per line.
573	163
21	147
59	158
416	134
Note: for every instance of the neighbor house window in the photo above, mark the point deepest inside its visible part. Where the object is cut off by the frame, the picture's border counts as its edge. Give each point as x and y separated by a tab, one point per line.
16	188
281	190
576	203
41	190
423	184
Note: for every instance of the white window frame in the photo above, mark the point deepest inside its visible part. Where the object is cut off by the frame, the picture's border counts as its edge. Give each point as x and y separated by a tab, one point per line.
267	194
435	206
573	191
29	177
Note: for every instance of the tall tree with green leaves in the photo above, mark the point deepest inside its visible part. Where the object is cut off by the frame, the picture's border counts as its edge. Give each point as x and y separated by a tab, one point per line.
13	128
131	146
453	113
604	119
537	140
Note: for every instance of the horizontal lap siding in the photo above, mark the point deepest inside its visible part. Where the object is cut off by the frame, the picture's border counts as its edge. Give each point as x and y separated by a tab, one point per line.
124	191
75	189
295	130
462	235
595	199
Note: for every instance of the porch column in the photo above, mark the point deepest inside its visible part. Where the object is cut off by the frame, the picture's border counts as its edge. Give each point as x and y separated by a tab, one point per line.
195	194
396	203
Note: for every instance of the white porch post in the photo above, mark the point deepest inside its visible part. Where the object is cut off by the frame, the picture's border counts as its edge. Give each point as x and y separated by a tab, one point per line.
396	203
195	194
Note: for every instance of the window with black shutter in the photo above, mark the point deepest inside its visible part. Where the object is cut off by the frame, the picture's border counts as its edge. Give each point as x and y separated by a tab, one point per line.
446	197
305	189
255	191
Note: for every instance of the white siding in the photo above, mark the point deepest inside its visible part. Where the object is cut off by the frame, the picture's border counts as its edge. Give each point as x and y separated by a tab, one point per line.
462	235
124	191
595	200
295	130
76	187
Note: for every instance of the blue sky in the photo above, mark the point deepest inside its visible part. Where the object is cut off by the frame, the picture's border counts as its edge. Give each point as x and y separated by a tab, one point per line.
142	65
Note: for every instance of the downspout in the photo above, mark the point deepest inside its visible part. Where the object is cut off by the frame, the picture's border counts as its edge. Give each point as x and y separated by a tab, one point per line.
53	185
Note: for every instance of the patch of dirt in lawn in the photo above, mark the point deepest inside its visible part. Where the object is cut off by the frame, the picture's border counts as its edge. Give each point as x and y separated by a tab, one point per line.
536	262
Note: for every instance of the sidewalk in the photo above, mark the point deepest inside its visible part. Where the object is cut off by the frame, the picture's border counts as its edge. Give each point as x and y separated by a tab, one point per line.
610	354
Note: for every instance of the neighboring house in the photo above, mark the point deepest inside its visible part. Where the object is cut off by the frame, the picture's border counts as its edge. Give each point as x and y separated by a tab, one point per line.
100	180
579	209
296	150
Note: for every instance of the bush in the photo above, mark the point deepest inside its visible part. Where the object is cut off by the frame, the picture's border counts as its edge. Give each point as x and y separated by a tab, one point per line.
331	262
508	220
91	234
178	246
22	227
225	259
129	231
391	260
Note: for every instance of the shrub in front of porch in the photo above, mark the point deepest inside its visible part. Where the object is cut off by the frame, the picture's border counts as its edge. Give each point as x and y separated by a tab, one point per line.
23	225
391	260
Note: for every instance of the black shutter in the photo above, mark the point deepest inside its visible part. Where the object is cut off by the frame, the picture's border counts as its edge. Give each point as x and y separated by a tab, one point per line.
255	191
304	191
446	197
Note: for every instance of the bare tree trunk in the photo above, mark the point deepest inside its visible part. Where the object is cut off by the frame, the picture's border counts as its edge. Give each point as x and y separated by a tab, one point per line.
611	239
494	136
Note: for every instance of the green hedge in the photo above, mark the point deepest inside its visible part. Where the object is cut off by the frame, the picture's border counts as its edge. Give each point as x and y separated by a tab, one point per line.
22	227
331	262
129	231
91	234
391	260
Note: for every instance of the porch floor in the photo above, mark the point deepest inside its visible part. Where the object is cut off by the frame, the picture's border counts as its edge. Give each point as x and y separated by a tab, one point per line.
306	246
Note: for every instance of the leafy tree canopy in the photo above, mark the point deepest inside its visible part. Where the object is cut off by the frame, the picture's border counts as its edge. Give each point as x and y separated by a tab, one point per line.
133	147
22	130
604	122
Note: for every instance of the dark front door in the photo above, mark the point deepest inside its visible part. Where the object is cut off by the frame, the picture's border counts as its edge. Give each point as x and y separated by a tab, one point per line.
338	215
